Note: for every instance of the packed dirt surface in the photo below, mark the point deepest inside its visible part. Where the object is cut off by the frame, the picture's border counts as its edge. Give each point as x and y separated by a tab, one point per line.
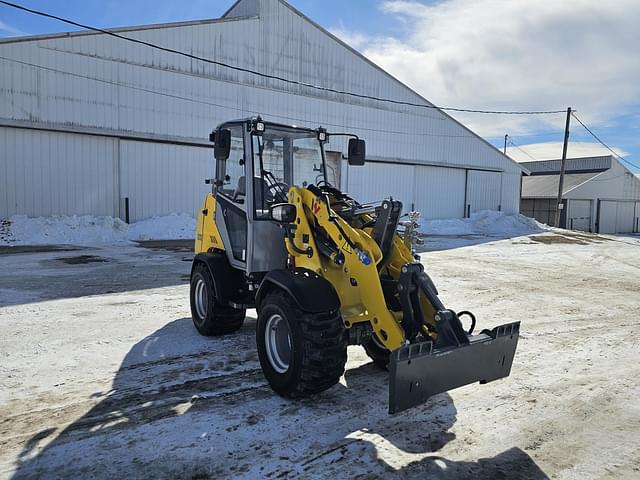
102	374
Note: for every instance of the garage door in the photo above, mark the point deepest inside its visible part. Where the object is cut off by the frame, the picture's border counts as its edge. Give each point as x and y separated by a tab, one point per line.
617	216
637	218
625	221
52	173
484	190
377	181
579	215
160	179
607	217
439	192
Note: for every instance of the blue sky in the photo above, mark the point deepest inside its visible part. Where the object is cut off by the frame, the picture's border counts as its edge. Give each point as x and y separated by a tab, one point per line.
462	53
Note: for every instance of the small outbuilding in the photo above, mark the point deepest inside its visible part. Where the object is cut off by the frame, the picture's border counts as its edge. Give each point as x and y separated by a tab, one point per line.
600	194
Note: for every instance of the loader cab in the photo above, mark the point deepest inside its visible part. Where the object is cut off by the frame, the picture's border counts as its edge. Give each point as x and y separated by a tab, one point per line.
256	163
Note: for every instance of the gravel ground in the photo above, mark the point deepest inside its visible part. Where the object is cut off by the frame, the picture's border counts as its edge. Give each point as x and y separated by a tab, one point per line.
102	374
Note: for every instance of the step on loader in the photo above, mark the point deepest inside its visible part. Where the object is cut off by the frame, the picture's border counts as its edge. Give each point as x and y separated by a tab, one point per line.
324	271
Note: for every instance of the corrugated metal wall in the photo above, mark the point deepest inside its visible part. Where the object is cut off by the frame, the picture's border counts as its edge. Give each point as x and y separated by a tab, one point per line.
616	183
436	192
374	182
159	178
51	173
81	81
511	192
484	191
617	216
439	192
47	173
614	190
602	162
625	217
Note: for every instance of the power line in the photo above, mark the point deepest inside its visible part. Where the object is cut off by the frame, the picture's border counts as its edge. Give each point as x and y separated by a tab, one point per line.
602	143
522	150
538	134
206	102
269	76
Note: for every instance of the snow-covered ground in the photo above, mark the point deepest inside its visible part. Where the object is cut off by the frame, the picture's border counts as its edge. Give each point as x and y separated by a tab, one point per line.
109	385
92	230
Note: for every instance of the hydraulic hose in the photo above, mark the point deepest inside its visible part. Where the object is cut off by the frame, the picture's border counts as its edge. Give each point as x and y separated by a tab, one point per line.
472	317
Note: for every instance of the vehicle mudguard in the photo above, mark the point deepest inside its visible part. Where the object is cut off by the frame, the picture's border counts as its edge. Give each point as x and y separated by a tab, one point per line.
311	292
226	279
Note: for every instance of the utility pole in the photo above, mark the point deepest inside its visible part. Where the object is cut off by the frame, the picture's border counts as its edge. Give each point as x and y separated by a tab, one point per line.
505	144
563	162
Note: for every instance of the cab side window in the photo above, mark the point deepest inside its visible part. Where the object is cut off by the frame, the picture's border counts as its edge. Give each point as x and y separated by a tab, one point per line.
231	171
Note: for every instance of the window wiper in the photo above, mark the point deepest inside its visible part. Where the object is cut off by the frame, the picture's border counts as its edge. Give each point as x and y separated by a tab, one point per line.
275	185
268	176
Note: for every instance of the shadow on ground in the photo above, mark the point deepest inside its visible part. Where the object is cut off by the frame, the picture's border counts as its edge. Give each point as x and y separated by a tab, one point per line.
174	385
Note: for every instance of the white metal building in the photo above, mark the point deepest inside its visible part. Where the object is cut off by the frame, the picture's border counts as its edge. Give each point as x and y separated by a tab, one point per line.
87	120
599	194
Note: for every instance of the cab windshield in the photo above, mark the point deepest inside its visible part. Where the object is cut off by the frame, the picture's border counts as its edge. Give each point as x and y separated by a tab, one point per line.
284	158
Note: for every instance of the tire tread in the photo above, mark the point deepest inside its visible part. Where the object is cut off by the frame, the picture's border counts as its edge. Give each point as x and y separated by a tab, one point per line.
324	343
221	320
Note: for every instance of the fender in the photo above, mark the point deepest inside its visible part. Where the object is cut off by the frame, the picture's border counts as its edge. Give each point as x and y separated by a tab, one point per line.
225	278
311	292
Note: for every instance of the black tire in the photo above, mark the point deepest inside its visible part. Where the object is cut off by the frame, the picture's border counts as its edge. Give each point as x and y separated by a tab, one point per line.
210	317
317	347
377	352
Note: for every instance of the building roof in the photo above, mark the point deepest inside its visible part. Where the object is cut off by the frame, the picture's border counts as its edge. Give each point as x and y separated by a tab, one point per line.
547	185
119	30
573	165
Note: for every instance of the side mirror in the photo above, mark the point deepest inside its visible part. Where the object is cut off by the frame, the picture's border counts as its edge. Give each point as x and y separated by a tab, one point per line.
283	213
223	144
357	152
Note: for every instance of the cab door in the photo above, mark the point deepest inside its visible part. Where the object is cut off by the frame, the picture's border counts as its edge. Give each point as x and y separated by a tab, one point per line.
231	195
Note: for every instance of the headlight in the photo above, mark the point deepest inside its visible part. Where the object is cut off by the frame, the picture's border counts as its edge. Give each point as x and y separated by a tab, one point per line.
283	213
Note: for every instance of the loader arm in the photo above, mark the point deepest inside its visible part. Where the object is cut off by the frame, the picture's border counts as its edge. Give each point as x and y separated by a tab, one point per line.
353	268
430	350
356	275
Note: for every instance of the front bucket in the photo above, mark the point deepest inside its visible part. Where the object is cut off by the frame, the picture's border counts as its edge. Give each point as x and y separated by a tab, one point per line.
418	371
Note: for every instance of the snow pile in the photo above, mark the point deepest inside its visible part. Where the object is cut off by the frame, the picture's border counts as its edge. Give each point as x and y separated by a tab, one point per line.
486	222
92	230
66	230
170	227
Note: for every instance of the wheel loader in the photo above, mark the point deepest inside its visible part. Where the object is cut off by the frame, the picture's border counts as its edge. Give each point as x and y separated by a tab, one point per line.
324	271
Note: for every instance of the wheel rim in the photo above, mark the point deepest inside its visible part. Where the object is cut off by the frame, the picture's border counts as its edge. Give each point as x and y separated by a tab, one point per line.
201	298
278	343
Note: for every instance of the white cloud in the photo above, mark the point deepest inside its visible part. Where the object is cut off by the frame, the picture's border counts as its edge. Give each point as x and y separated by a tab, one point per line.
6	29
519	54
553	150
353	39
